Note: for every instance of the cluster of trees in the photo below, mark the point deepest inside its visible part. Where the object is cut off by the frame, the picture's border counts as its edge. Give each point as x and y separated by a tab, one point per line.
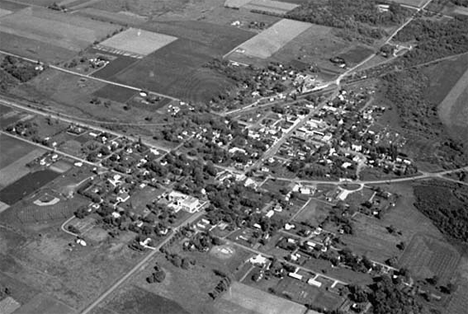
362	16
222	286
19	69
434	39
445	204
158	275
180	262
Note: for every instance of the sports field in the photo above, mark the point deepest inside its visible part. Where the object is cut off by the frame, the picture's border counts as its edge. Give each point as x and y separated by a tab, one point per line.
272	39
137	41
244	299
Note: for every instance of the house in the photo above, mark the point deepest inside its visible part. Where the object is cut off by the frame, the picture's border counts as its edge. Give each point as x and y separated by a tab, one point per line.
314	282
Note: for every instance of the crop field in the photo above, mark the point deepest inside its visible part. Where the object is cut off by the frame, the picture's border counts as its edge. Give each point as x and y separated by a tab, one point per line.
275	7
11	6
453	110
175	70
136	41
415	3
316	45
219	38
244	299
63	31
426	257
115	93
113	17
15	155
265	44
114	67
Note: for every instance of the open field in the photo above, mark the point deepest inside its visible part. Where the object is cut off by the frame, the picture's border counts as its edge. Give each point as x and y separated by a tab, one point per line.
275	7
137	41
11	6
34	49
13	149
115	93
415	3
176	71
135	300
114	67
314	212
272	39
42	303
114	17
18	168
244	299
67	32
426	257
356	54
316	45
45	261
453	109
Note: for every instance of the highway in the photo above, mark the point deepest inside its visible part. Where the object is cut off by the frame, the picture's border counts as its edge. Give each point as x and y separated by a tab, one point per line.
139	265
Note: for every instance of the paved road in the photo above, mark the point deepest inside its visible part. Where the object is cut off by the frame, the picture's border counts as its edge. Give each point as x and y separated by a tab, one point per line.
139	266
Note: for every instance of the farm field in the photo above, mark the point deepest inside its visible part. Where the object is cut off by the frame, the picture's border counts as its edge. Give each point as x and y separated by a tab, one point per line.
11	6
315	45
274	7
453	109
15	155
121	17
115	66
414	3
137	41
426	257
244	299
177	71
273	39
55	29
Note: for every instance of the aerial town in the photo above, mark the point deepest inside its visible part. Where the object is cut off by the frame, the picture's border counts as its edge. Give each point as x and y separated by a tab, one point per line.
233	156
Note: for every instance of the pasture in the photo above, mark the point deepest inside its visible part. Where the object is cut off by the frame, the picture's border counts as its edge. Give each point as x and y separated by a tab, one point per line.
120	63
356	54
115	93
66	32
137	41
414	3
244	299
265	44
426	257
